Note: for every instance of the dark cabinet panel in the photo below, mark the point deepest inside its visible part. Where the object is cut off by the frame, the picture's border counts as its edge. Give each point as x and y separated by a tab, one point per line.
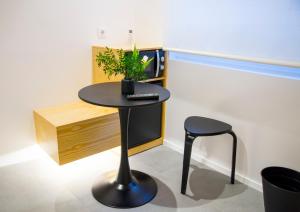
145	125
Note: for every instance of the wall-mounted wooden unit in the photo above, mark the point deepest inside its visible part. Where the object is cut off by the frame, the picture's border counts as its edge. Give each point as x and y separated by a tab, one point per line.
73	131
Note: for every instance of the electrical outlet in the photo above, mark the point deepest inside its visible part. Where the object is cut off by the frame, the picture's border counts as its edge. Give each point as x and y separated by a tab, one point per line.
101	33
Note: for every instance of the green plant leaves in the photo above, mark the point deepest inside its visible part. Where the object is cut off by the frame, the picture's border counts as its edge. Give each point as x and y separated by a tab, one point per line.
129	64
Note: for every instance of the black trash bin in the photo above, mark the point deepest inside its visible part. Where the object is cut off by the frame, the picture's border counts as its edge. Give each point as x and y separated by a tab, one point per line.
281	188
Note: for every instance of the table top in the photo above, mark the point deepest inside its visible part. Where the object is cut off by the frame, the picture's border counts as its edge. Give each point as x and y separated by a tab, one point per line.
109	94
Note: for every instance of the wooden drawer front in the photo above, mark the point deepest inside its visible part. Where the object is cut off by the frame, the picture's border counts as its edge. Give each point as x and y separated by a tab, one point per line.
88	137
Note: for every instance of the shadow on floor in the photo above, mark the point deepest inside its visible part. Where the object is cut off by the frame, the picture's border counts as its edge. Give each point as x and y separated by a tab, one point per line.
205	186
209	185
165	196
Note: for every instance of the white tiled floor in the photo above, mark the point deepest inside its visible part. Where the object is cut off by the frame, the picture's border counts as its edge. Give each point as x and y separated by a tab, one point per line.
38	184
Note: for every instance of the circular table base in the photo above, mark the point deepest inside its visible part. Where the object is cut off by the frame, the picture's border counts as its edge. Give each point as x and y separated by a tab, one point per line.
142	190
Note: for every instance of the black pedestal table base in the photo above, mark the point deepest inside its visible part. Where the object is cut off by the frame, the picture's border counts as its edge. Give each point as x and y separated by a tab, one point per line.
131	188
139	191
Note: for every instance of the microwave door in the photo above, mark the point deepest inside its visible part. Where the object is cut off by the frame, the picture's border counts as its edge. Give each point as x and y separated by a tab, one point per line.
151	69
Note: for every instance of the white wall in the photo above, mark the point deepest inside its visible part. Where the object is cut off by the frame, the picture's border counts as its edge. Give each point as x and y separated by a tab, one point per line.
149	23
45	55
259	29
263	110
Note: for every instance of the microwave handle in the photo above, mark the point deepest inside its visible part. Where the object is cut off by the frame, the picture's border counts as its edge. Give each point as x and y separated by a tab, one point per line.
157	63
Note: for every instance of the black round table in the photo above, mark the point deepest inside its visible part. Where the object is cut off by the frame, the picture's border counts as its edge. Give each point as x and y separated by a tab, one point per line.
131	188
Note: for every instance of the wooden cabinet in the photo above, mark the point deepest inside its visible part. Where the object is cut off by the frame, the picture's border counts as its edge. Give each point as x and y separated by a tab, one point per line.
73	131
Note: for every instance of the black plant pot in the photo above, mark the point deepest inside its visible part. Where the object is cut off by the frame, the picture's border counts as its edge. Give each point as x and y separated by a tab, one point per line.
127	86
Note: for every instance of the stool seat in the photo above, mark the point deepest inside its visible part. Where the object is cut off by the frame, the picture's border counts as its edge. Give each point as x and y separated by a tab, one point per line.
201	126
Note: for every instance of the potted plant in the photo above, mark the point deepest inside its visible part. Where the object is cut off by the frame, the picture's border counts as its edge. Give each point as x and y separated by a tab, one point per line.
129	64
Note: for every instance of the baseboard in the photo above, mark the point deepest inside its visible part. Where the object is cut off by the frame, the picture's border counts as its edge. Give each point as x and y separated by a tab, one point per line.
224	170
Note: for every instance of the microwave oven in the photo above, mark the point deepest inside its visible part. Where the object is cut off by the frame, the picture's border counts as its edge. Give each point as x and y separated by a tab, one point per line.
156	67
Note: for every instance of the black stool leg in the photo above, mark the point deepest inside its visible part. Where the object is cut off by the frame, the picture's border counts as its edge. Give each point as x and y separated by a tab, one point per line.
186	161
233	156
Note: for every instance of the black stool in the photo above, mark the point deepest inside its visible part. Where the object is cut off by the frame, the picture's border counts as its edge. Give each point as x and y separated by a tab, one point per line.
200	126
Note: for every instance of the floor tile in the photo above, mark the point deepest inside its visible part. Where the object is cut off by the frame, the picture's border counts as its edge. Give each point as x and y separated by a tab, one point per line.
40	185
